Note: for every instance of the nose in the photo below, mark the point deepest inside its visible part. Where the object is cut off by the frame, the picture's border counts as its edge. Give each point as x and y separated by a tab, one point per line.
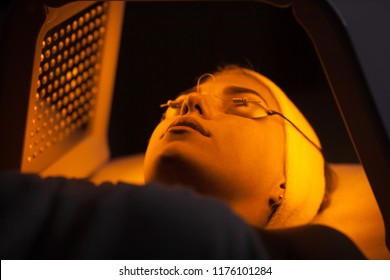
195	103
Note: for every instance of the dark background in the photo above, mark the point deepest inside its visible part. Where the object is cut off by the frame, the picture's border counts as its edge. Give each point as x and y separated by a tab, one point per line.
165	46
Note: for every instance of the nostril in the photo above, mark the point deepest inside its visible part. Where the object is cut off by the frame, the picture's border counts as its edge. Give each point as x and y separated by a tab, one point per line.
185	110
197	107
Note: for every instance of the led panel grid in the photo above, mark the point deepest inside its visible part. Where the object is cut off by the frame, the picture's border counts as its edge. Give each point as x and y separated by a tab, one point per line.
66	88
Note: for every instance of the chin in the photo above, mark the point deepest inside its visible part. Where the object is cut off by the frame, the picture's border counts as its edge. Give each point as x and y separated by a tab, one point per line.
178	165
168	168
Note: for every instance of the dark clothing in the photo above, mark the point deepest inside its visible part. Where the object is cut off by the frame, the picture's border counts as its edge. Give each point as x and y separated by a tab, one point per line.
59	218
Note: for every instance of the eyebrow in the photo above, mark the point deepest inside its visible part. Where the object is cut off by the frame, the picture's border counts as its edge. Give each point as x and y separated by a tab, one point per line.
229	89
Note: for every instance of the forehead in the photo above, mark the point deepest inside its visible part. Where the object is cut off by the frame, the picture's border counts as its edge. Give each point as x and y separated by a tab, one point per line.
239	79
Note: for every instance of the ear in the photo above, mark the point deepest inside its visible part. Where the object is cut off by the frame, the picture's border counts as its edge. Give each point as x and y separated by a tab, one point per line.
276	199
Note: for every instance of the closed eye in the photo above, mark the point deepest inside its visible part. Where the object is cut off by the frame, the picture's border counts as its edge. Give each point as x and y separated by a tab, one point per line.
236	93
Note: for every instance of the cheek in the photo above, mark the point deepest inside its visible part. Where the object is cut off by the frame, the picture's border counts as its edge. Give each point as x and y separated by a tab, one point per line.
153	145
253	143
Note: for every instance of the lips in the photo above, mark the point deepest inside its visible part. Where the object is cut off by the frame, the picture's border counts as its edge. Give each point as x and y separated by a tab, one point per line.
190	122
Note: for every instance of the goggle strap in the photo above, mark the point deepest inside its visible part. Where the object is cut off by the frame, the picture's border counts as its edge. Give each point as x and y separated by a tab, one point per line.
271	113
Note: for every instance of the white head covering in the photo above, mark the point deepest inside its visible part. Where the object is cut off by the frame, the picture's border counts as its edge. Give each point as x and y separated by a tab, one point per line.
305	178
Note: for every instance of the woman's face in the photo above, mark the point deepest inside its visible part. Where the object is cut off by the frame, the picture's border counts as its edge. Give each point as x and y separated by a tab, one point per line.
211	145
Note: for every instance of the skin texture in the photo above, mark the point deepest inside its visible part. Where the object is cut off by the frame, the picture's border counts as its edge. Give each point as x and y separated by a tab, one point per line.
236	159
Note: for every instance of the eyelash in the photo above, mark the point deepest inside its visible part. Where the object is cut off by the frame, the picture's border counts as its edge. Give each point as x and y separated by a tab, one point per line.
236	100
